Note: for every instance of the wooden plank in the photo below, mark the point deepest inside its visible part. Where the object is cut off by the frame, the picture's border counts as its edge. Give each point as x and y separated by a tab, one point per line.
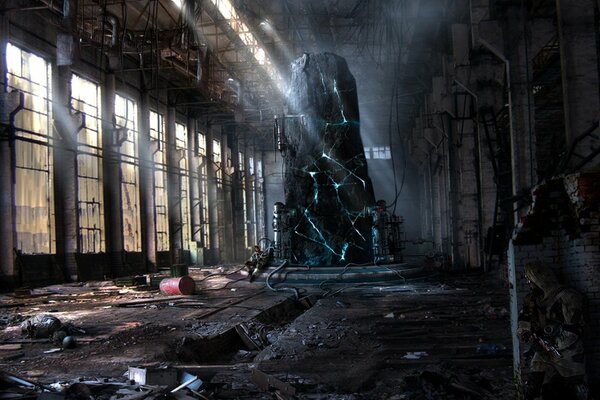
12	305
11	346
150	301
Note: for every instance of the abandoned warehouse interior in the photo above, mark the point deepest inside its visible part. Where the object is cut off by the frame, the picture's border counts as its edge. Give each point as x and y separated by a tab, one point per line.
277	199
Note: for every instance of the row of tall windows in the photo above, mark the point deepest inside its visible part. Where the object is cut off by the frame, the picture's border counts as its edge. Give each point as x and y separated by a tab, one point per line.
203	177
34	169
181	146
85	98
33	152
159	144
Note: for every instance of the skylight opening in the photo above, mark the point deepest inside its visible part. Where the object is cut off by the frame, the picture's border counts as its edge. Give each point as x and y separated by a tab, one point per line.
246	36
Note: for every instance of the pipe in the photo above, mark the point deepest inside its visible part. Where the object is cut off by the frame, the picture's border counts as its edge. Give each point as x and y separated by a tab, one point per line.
55	7
293	289
505	60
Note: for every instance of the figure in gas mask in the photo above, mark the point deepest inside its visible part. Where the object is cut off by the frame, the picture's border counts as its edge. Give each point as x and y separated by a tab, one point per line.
552	322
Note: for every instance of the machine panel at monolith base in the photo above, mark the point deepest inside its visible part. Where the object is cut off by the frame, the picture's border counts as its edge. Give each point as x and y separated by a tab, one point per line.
328	189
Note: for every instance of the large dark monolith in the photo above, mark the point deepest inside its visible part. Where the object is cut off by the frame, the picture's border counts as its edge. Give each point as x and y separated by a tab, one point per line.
328	189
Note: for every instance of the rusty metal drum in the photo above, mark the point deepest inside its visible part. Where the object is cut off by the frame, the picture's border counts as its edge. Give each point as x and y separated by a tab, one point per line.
175	286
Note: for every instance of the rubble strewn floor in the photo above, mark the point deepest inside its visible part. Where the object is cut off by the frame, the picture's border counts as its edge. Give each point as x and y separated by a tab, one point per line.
445	339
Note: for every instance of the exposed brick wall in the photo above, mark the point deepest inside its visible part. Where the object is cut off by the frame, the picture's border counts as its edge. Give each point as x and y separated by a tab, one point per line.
562	229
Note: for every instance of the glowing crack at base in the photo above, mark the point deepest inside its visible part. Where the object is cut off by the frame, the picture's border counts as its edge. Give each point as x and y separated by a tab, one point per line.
320	235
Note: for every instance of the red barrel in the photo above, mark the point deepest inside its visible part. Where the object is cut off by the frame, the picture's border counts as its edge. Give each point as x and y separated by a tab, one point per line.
174	286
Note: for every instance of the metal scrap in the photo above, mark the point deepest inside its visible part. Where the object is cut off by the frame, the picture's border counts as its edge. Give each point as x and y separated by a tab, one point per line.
266	382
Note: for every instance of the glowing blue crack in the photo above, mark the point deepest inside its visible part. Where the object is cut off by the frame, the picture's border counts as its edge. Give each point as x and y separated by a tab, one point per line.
316	186
335	90
335	176
344	249
346	169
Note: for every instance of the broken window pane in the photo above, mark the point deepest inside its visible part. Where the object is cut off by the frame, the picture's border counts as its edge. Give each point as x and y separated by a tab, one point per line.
34	197
251	166
259	200
203	177
161	210
244	199
367	153
382	153
181	145
126	124
217	162
85	97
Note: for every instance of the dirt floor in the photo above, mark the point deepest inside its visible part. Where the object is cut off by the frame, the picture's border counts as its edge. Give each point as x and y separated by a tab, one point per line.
444	338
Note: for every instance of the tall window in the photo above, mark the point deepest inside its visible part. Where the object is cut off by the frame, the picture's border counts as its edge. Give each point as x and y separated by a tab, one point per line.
126	123
217	162
157	135
34	198
218	166
85	98
181	145
259	169
254	226
203	177
382	153
260	201
242	171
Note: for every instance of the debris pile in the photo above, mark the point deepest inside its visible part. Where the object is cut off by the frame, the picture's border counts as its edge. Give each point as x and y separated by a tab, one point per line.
10	319
433	384
136	384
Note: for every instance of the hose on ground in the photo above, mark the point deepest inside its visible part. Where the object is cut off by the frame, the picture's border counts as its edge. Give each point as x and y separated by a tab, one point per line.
280	267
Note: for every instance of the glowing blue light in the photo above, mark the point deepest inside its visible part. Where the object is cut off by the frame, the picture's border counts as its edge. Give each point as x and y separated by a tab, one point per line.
335	90
344	249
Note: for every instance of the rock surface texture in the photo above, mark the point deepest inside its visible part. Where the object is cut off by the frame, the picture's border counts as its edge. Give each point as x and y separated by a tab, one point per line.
328	189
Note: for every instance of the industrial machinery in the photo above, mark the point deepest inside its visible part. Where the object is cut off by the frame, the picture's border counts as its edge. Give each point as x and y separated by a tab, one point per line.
387	234
281	233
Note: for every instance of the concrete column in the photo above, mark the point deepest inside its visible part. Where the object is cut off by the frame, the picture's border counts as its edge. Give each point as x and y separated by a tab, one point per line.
219	188
436	200
148	217
520	102
65	172
195	194
174	189
237	200
250	221
228	248
578	33
453	180
255	205
213	205
468	180
445	188
8	275
111	178
423	206
260	194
